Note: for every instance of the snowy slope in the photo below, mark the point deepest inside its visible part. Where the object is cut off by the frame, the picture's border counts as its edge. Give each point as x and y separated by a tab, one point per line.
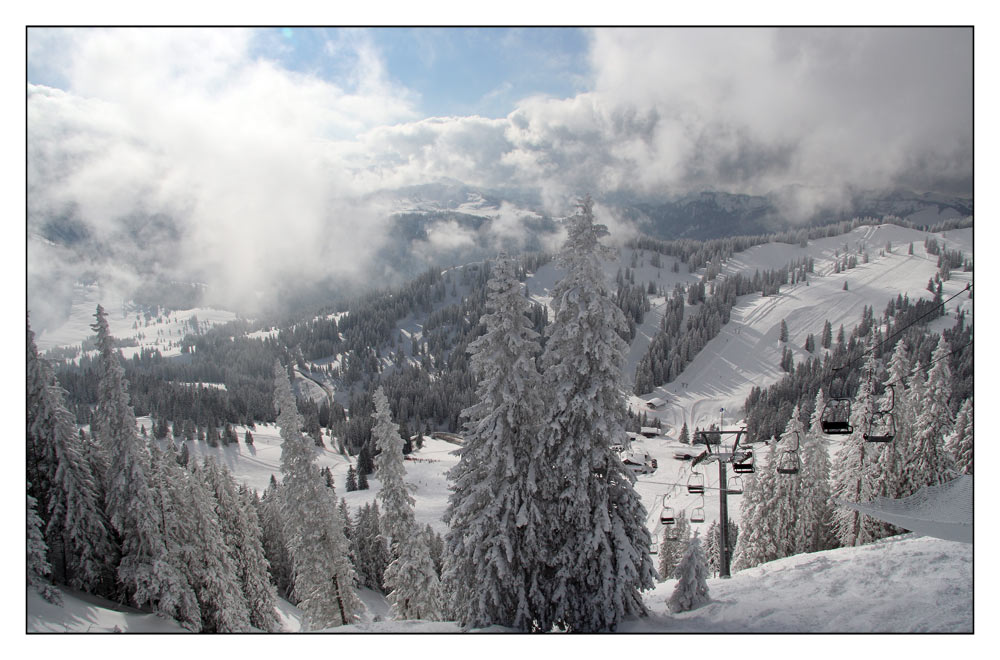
163	333
746	353
901	584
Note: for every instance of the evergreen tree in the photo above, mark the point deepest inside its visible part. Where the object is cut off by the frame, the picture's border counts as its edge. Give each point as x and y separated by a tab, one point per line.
38	567
371	556
960	443
757	542
815	515
242	536
82	552
412	581
198	545
783	331
930	463
685	438
414	590
826	339
145	572
323	578
787	499
674	540
596	544
852	476
493	543
273	539
691	591
712	548
248	438
352	479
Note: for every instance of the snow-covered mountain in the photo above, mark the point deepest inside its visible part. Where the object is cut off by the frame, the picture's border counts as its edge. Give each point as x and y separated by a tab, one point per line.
744	355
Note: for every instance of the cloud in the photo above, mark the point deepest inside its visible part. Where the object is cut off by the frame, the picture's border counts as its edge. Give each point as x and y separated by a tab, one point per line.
241	154
267	173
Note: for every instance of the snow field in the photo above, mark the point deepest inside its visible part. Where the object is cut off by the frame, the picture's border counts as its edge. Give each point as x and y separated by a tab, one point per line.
904	584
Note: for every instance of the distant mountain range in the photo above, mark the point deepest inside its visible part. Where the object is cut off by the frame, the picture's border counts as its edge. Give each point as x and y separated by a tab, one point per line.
446	223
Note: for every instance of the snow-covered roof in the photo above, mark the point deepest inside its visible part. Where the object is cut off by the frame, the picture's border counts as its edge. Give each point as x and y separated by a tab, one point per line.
650	430
943	511
655	402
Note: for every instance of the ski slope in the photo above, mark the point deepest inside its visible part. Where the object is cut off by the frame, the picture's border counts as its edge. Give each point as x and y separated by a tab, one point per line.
747	352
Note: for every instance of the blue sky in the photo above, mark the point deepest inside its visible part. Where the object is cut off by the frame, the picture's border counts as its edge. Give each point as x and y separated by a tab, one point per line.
455	71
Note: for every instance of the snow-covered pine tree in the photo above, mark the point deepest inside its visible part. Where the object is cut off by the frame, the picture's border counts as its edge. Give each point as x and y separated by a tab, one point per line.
168	484
242	535
258	588
145	573
815	515
397	504
757	542
205	551
673	542
884	468
273	539
37	565
323	577
851	474
596	542
371	556
412	582
712	548
904	415
787	498
691	591
492	542
930	463
414	591
82	552
961	442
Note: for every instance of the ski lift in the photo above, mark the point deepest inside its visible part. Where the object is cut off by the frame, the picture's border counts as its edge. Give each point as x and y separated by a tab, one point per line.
881	427
882	424
744	465
698	513
735	486
696	483
789	461
654	548
667	516
836	416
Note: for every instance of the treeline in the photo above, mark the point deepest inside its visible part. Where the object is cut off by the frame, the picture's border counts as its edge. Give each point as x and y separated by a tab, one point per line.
699	254
840	370
679	341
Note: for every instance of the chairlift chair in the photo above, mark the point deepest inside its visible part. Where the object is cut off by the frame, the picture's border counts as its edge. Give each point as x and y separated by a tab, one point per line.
654	548
881	427
745	464
667	516
698	514
882	423
735	486
836	416
789	461
696	483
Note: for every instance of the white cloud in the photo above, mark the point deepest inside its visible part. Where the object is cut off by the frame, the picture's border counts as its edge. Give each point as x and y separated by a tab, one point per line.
264	168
